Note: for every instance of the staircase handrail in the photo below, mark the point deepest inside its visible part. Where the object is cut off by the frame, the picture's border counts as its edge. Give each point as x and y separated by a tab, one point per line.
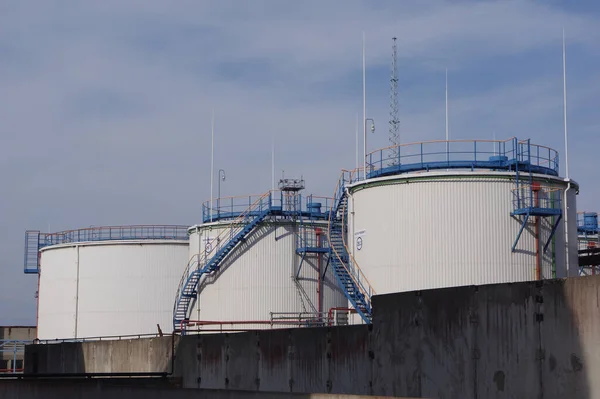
361	277
201	257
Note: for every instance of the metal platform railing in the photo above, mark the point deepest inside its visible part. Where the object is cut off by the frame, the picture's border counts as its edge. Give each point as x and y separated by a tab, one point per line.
35	240
108	233
16	351
99	338
463	154
312	236
334	317
231	207
537	200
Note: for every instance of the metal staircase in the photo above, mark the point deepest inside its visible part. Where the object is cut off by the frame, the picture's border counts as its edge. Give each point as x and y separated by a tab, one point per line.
32	248
353	282
530	198
209	260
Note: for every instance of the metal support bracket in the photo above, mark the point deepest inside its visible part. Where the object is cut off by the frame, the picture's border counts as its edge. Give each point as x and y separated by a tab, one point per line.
300	267
553	231
326	265
520	232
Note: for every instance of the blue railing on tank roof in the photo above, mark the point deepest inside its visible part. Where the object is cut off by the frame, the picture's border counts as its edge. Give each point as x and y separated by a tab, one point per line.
35	240
109	233
310	206
510	154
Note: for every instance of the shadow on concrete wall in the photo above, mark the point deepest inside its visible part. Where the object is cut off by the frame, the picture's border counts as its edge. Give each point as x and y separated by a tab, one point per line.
144	356
532	339
522	340
55	358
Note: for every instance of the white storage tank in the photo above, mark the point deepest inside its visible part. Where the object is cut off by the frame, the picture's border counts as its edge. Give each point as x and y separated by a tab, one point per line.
109	281
271	278
441	214
589	240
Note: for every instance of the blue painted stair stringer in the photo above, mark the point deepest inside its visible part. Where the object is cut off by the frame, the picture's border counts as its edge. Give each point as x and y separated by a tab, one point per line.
188	293
340	262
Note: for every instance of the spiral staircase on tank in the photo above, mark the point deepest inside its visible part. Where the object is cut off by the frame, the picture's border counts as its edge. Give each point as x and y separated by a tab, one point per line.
209	260
355	285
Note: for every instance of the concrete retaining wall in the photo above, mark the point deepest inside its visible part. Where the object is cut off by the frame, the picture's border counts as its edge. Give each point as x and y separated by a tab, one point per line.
532	339
139	389
116	356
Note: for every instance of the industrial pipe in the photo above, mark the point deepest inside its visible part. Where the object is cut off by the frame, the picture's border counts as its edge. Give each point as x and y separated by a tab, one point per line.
318	233
567	261
538	268
241	322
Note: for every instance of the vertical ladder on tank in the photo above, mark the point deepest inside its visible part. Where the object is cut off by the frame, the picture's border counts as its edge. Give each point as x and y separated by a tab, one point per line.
529	197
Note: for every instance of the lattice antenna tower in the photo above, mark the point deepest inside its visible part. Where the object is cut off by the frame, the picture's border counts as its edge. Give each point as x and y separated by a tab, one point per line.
394	137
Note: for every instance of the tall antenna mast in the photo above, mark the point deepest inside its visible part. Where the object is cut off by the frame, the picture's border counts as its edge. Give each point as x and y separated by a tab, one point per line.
566	197
447	134
272	163
357	162
394	121
565	106
364	89
212	161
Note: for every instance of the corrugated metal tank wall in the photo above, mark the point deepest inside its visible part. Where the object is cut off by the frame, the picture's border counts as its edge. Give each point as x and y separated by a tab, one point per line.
57	293
259	277
572	220
431	230
109	288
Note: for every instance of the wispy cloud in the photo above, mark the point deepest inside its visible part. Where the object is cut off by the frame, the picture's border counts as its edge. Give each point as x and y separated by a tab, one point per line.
105	106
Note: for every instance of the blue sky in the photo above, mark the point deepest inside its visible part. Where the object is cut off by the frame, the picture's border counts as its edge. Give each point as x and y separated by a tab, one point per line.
105	106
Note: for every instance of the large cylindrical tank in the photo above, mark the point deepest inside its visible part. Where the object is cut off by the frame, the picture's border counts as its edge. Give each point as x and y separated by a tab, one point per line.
109	287
264	278
590	221
441	229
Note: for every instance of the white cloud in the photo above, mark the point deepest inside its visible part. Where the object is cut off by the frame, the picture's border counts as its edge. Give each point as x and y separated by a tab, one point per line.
105	106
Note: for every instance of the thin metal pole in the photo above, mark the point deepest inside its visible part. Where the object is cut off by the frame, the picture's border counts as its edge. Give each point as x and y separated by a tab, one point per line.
565	106
14	362
447	135
212	162
364	80
357	158
272	164
219	191
566	205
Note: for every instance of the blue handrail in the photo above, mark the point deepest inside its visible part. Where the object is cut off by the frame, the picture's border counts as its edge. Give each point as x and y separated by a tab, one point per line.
542	198
232	207
463	154
35	240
